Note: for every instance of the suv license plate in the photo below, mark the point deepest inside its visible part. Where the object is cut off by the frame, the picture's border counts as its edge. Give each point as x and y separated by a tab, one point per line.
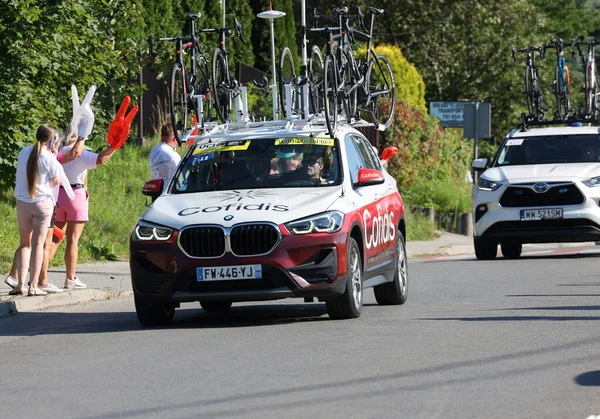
541	214
224	273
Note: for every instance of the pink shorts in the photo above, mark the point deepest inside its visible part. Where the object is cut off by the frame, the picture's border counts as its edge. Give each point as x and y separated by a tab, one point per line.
72	210
30	214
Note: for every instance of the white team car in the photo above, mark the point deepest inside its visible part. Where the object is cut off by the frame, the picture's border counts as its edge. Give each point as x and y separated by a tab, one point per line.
268	213
541	187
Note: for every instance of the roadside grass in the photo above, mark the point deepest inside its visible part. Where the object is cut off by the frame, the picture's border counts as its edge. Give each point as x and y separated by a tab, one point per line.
418	227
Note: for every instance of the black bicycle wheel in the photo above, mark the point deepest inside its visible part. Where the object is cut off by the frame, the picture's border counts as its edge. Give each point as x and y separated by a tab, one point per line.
562	97
315	80
538	95
180	117
330	92
222	93
530	92
287	75
348	90
203	88
381	92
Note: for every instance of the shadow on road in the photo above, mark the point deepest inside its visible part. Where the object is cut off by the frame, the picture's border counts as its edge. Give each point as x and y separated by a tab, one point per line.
45	323
588	379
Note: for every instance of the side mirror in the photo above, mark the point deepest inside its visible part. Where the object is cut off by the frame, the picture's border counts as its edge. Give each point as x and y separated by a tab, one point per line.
387	153
368	177
479	165
153	188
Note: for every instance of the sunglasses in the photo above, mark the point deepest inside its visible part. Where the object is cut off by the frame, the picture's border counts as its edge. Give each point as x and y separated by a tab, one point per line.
311	162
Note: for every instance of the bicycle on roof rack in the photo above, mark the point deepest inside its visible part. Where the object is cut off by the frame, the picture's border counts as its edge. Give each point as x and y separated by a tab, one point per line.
533	84
561	86
363	86
590	81
189	90
225	87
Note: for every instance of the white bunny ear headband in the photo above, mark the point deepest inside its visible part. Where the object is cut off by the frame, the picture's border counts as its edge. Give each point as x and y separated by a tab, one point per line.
83	116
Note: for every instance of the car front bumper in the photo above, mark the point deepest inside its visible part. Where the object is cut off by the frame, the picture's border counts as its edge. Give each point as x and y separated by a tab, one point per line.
299	267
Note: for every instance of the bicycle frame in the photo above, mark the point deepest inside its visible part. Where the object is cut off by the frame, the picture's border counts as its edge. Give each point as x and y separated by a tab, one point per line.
561	87
590	86
532	81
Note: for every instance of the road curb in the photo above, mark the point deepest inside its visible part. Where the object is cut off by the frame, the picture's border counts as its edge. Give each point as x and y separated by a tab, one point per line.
10	305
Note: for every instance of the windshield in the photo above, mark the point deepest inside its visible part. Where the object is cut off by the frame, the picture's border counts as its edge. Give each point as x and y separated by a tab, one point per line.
550	149
222	165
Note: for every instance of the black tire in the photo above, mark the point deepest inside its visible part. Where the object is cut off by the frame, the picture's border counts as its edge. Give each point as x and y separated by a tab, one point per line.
511	250
330	92
348	98
215	306
152	314
315	79
221	82
287	75
563	101
395	292
381	87
179	105
349	304
203	87
485	250
529	92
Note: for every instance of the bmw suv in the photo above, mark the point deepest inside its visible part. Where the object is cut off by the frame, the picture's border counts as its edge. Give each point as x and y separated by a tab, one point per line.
270	213
541	187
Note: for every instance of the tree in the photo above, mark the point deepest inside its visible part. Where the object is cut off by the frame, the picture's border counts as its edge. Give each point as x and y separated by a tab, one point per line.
45	47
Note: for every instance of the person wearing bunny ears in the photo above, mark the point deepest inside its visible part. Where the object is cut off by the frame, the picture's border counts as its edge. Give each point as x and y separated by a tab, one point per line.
71	215
43	283
38	171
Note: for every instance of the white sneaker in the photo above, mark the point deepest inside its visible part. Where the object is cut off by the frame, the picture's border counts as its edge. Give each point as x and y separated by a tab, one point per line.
74	284
50	288
10	281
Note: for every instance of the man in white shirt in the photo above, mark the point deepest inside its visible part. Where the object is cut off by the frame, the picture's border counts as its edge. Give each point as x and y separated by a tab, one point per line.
163	158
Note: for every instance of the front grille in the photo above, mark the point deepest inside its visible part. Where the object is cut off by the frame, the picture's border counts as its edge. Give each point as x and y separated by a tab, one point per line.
253	239
203	241
518	196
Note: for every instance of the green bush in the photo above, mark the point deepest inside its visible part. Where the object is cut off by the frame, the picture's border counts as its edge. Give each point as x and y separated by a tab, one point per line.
426	151
418	227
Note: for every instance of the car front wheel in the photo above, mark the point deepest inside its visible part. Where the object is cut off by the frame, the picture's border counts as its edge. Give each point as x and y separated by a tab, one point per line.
349	304
153	314
485	250
511	250
215	306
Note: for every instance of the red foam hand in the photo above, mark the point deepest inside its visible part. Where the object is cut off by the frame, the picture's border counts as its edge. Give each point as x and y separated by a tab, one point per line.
119	128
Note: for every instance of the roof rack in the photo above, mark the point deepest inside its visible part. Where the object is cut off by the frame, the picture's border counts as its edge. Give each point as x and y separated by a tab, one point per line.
314	122
528	121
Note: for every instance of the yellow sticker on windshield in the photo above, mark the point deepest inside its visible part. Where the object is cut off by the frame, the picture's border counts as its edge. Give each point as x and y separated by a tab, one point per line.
329	142
231	145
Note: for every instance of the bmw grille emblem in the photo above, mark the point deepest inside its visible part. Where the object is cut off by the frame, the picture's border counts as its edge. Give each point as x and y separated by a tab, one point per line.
228	217
541	187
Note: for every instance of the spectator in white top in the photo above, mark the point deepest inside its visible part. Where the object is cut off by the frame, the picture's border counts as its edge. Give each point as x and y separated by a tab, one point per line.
43	283
38	171
163	158
71	215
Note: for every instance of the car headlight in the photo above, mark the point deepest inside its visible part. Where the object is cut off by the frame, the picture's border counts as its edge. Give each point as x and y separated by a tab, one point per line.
145	231
488	185
592	182
327	222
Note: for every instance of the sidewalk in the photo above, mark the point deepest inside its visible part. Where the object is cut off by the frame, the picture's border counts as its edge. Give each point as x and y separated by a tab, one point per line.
107	280
104	280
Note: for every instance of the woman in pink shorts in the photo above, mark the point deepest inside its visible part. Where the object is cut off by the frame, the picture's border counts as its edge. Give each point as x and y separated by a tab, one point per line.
38	172
71	215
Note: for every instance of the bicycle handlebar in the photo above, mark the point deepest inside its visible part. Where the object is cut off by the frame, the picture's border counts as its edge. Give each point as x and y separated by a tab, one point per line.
529	49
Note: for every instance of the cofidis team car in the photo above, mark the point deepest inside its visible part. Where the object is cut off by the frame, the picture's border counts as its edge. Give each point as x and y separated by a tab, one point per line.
258	215
542	187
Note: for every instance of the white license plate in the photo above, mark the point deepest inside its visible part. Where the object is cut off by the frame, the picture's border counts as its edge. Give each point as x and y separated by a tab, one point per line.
541	214
225	273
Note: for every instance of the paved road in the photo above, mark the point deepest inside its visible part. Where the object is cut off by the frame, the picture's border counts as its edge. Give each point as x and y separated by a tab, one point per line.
500	339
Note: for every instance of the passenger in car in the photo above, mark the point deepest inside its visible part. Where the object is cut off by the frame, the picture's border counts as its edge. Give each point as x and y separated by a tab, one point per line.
314	168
